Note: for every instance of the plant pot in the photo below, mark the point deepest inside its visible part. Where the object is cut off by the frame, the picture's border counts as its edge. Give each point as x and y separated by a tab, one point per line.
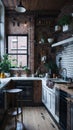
65	28
57	28
7	74
27	74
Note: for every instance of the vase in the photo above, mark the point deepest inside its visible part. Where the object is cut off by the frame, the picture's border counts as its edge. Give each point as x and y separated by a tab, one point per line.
65	28
7	74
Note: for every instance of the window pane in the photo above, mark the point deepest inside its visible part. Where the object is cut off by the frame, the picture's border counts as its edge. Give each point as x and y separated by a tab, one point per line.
12	44
22	42
13	59
18	60
17	50
22	60
17	42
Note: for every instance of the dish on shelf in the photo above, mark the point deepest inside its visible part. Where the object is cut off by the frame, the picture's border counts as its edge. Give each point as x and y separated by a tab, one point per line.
50	40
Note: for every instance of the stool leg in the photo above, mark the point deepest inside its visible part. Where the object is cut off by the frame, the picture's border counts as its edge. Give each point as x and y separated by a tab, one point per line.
15	123
22	115
21	112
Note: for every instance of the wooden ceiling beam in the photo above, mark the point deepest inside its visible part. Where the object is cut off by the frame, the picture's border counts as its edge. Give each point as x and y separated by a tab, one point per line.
37	13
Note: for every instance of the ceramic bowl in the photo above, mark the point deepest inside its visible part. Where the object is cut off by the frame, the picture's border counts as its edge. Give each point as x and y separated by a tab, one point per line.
50	40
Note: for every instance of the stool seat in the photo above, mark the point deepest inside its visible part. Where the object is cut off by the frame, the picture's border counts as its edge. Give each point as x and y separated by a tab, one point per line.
14	111
14	90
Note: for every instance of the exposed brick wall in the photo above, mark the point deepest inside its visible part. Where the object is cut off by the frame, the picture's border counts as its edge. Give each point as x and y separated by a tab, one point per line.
21	29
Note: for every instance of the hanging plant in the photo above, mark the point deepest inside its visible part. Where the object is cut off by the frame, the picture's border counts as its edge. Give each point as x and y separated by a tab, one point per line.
65	20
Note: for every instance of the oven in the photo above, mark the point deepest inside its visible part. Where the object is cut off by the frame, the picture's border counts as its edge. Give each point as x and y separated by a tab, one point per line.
57	93
63	110
71	115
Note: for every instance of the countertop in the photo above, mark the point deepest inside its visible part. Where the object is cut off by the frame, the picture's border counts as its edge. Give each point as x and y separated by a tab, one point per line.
4	81
64	87
61	84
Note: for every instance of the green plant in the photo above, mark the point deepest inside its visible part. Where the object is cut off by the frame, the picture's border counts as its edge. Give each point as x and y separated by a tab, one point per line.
64	20
5	64
13	63
26	69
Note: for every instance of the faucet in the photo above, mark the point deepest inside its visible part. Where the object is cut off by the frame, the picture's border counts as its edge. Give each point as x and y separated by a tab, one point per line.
64	73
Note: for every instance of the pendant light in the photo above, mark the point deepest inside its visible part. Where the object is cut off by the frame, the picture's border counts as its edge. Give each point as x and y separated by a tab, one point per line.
20	8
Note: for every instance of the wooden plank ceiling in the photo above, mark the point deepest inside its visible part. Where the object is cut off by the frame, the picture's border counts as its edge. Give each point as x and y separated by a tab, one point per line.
33	5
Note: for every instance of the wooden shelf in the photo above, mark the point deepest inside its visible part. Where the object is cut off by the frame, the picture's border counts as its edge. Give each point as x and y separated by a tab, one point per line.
43	44
68	40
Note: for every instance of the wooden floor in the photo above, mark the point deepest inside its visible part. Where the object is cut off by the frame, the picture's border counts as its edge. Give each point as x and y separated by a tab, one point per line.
34	118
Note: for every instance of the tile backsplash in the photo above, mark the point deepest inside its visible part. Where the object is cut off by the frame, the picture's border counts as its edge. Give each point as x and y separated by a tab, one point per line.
66	55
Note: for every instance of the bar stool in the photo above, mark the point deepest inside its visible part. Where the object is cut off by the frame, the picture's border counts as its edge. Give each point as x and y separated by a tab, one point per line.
13	110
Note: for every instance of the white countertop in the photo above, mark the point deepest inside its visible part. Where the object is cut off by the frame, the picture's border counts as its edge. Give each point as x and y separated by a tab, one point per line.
4	81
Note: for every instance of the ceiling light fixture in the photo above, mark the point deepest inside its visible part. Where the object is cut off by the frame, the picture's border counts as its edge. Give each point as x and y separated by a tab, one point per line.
20	8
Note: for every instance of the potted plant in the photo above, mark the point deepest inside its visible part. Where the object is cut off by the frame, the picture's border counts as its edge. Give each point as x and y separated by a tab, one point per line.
64	22
26	70
57	28
5	65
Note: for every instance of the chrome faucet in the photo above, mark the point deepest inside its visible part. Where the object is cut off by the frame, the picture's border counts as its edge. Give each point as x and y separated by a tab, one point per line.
64	73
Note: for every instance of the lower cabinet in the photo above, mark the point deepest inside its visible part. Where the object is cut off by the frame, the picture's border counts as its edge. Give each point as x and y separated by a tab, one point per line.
44	96
48	98
70	114
32	91
2	110
57	101
63	110
51	102
37	92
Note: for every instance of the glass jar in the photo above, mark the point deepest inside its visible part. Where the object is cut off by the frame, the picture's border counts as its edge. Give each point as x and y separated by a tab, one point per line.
2	75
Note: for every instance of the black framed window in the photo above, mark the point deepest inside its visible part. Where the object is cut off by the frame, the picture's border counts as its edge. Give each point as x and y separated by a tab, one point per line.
17	50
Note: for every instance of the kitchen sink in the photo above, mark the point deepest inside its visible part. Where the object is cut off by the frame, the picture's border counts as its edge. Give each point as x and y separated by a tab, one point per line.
50	82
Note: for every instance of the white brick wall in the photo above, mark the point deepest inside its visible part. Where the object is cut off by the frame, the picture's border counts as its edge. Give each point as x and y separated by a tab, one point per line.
67	59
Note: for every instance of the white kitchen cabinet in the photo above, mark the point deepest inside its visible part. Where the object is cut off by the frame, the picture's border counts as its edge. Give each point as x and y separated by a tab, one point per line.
44	95
51	101
48	98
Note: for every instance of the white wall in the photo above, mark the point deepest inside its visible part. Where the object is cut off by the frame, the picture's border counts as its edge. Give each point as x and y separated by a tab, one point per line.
67	58
2	28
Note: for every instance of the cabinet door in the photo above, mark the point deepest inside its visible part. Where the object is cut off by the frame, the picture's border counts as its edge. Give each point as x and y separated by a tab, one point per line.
37	91
57	104
49	100
72	116
44	95
1	107
52	103
63	112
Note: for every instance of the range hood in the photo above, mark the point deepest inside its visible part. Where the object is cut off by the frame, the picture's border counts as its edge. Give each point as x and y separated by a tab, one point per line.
68	40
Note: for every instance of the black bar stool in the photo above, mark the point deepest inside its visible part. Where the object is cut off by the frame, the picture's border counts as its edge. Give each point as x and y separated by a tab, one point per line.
15	107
